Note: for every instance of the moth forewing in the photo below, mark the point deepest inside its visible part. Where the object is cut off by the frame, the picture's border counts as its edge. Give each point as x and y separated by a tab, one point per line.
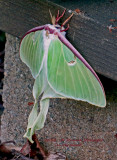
32	52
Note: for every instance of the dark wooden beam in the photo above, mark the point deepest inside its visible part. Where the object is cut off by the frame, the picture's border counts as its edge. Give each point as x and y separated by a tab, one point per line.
89	34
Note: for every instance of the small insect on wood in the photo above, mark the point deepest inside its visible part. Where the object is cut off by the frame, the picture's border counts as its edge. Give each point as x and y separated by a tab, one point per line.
59	71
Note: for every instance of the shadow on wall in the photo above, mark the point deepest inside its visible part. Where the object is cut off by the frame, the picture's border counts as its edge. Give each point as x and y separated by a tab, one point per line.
110	87
2	52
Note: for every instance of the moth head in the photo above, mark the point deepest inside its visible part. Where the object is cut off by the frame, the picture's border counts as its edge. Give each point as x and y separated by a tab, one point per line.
56	20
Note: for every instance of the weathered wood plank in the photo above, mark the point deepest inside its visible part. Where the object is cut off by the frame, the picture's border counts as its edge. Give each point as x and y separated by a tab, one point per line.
90	36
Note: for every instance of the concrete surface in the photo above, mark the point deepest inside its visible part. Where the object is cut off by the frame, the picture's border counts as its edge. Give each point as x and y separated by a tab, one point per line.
80	130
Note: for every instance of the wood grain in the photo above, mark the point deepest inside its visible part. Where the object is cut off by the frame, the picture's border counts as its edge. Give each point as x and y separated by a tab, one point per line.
88	34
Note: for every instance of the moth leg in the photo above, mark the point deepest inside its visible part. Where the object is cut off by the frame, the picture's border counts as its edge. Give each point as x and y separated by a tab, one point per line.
59	17
63	30
67	19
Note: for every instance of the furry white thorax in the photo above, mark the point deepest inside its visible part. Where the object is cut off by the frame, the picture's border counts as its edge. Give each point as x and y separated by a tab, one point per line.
47	38
57	28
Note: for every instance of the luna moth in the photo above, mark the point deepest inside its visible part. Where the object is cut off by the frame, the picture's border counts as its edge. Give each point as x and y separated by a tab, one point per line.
59	71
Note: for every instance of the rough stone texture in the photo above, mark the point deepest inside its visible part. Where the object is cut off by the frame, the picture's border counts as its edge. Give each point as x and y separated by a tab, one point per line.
80	130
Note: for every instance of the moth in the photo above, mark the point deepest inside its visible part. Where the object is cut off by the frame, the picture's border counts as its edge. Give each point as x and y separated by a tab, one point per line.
59	71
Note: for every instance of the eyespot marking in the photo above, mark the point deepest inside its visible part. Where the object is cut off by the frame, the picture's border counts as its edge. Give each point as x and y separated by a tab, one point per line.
73	62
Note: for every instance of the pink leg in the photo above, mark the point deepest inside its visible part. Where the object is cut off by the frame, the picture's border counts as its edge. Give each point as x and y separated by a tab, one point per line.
65	29
59	17
67	20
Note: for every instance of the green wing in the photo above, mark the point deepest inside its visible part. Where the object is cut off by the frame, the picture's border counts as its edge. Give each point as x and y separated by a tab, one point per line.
32	51
70	78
